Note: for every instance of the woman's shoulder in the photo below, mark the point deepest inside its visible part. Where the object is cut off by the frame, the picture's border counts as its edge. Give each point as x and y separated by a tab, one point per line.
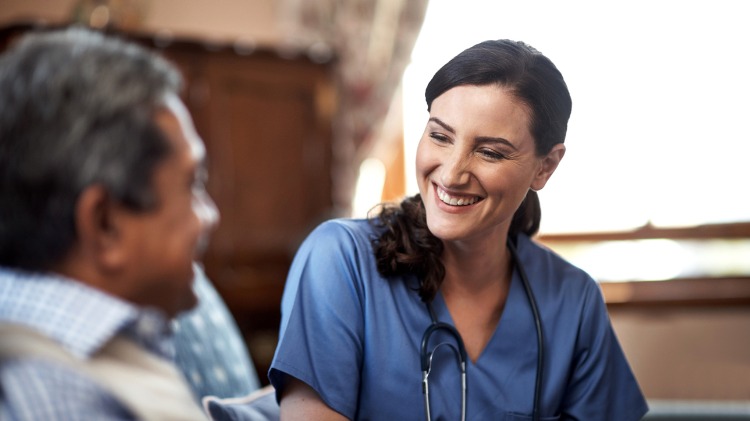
339	238
550	265
347	224
341	229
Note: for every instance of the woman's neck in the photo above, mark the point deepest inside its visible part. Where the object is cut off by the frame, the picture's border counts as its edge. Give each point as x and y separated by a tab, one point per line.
475	289
473	268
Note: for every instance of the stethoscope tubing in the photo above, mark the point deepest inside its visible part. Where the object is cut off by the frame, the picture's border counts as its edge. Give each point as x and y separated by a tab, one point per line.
426	361
539	331
426	357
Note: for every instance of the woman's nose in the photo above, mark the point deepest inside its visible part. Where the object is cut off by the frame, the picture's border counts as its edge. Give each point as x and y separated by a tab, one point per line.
455	169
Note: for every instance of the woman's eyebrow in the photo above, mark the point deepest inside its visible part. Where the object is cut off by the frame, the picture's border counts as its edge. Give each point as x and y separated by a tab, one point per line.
489	139
479	139
442	124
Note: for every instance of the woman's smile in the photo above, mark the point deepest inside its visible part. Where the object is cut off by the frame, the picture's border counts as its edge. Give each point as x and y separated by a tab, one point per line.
454	199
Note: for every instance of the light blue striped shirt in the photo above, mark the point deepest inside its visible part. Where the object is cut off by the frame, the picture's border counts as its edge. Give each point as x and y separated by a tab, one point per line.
82	320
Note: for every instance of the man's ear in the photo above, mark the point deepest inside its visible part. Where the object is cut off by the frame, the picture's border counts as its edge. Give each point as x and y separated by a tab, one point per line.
548	166
99	228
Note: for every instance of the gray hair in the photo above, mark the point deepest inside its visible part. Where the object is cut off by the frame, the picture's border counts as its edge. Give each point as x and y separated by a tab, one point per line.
76	109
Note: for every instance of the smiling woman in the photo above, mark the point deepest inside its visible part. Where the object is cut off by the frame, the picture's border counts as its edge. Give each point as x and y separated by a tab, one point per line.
455	265
476	161
656	133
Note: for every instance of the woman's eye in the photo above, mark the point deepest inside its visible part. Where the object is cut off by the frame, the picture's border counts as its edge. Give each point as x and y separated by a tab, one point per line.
439	137
491	154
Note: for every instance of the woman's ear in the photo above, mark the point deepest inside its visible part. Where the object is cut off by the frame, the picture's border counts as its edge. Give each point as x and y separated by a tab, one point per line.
548	165
99	229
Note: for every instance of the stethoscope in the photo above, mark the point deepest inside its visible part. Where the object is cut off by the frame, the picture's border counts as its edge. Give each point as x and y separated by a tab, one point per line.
460	352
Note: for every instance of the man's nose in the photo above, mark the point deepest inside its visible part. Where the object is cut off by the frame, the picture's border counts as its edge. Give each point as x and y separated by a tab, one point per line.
206	210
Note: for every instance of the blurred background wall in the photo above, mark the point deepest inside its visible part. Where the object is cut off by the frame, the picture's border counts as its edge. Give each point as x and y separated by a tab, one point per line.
223	20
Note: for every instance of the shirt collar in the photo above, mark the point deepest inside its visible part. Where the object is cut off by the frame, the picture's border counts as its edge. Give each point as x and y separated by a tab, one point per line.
81	318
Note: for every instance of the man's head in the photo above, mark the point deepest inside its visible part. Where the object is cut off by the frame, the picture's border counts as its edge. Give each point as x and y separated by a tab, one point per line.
98	166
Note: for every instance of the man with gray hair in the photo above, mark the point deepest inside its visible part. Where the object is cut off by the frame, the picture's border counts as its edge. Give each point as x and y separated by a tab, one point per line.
102	213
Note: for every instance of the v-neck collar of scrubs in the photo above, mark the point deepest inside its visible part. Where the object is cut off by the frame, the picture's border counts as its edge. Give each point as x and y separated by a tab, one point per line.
506	335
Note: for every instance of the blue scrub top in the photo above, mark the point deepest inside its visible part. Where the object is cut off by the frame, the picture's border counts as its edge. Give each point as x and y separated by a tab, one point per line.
355	338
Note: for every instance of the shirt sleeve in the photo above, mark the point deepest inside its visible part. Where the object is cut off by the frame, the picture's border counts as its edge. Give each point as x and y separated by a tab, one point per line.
602	385
320	340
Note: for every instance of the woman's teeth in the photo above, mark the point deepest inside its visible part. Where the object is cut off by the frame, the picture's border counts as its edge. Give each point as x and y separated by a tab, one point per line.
456	201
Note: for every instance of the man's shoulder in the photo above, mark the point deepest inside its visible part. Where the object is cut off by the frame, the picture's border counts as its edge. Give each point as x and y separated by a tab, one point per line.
37	388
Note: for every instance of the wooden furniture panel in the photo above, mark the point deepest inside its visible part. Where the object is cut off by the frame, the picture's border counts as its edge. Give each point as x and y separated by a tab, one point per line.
272	163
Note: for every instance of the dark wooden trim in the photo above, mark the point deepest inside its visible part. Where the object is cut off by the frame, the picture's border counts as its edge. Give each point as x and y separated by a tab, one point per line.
679	292
700	232
706	291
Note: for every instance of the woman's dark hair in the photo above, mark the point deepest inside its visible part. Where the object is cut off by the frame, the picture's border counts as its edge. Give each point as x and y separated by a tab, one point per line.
406	245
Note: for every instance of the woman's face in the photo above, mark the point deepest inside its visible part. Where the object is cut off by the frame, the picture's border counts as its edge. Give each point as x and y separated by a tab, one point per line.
476	161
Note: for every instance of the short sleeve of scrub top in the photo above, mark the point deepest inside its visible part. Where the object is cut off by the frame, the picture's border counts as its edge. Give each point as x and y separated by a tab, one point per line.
355	337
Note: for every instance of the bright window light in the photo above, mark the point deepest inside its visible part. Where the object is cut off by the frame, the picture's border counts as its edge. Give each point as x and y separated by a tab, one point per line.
369	187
